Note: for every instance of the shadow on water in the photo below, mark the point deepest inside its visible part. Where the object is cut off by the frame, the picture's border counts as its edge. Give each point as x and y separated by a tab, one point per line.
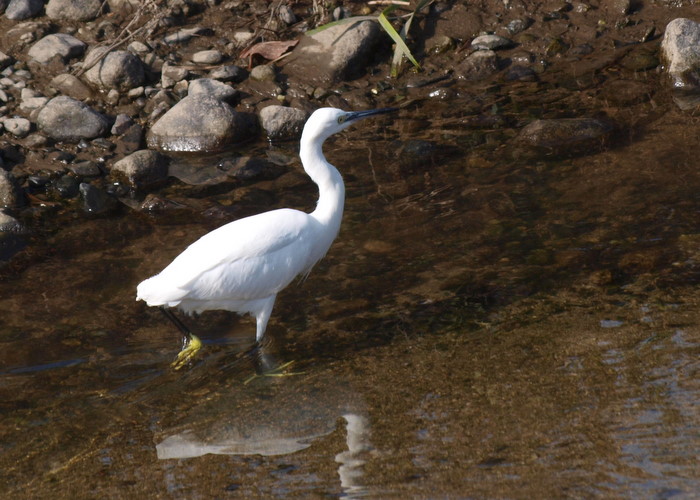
491	322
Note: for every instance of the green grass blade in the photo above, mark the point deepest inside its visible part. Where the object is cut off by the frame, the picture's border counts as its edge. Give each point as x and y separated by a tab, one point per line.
401	47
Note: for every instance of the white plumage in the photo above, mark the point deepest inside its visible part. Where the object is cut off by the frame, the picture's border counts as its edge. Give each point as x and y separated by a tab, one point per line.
243	265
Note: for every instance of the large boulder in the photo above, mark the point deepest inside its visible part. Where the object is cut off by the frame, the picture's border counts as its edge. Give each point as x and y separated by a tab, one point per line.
341	52
680	49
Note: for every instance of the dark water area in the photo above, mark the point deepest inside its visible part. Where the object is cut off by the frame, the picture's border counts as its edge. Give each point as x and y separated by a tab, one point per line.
492	322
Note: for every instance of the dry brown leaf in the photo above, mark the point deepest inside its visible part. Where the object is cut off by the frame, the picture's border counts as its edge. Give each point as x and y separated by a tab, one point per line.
268	50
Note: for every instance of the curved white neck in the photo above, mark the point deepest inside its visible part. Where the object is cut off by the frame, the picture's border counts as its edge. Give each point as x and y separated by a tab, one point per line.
331	199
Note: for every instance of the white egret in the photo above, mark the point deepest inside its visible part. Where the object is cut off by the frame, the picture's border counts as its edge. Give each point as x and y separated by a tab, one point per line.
243	265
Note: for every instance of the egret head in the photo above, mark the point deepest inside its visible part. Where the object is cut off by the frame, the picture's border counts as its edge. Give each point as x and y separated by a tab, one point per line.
325	122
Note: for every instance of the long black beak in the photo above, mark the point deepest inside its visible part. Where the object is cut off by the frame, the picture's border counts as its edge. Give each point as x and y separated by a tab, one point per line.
358	115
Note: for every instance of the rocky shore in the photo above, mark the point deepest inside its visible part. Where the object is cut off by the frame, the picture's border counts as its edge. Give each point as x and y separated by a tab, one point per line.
97	98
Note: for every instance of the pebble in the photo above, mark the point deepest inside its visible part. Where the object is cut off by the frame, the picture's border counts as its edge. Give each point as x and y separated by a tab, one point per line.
170	75
491	42
207	57
230	73
71	86
183	35
66	119
263	73
478	66
59	44
122	122
19	127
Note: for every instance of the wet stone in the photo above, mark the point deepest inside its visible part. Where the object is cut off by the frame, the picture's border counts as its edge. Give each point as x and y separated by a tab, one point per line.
86	168
681	49
122	122
65	187
199	123
141	169
478	66
280	122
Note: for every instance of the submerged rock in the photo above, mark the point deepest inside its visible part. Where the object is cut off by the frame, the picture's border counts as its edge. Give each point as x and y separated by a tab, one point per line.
281	122
95	200
565	136
65	119
337	53
10	194
478	66
681	50
198	123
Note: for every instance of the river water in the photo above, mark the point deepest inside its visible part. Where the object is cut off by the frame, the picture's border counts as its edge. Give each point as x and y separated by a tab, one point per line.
489	323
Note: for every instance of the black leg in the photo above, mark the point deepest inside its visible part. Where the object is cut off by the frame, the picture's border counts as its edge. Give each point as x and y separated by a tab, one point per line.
179	324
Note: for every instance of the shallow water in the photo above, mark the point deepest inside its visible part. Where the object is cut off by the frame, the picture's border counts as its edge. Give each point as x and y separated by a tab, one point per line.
488	324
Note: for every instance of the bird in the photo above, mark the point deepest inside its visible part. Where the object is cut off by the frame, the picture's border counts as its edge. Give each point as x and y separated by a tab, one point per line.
243	265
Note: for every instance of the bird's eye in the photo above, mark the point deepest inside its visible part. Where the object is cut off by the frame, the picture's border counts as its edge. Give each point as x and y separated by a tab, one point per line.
341	119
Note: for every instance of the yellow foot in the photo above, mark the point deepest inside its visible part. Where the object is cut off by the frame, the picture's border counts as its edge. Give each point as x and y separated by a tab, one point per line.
187	353
275	372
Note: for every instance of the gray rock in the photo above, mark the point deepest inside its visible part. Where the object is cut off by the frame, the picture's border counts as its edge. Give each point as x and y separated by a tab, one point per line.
337	53
286	15
60	44
281	122
73	10
65	119
18	10
170	75
119	70
10	195
122	122
680	49
213	88
198	123
478	66
565	136
71	86
19	127
491	42
141	169
207	57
